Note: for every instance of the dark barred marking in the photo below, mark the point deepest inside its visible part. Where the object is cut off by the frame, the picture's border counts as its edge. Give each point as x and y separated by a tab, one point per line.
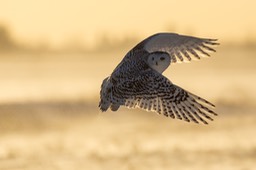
183	51
188	113
176	111
202	51
193	53
177	53
211	41
191	109
207	48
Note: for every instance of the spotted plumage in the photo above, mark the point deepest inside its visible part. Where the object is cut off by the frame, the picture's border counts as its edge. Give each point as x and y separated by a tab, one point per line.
137	82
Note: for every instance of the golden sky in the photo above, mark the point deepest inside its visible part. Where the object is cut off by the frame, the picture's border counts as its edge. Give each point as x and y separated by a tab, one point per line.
61	21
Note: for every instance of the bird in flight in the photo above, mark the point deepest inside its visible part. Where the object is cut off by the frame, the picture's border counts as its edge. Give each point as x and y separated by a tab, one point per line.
138	82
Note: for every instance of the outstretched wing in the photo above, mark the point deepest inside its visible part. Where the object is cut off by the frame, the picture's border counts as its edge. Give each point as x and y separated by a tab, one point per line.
153	92
180	47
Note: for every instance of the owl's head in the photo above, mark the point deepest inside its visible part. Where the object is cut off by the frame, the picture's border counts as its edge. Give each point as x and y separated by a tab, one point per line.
159	61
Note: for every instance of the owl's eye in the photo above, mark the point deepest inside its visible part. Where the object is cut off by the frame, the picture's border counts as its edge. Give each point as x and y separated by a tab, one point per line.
153	58
162	58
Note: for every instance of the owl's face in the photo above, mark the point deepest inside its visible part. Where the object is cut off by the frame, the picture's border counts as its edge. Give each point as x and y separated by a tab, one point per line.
159	61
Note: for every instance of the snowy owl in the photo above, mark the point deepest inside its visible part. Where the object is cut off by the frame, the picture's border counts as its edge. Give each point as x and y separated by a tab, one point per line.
137	81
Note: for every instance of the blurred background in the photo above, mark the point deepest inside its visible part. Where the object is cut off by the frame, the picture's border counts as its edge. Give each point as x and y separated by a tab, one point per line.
55	54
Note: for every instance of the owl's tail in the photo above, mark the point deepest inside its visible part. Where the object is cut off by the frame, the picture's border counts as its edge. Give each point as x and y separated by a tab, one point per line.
104	95
104	105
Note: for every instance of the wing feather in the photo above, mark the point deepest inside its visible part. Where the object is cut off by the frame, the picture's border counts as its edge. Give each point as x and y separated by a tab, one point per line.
175	44
156	93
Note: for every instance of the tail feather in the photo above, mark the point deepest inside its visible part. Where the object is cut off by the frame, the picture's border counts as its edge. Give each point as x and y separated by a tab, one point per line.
104	105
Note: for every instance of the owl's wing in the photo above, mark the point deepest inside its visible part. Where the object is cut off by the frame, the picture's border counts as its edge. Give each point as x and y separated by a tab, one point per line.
180	47
152	91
